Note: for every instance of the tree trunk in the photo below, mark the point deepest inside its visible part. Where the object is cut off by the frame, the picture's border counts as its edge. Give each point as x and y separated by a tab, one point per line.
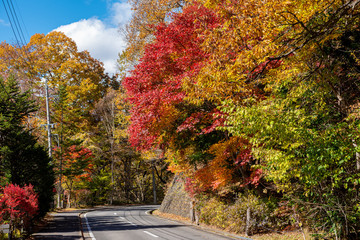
357	156
68	204
10	230
112	169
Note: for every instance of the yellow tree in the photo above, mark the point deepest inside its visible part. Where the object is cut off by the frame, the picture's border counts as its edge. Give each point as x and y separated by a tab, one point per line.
76	80
147	14
288	73
257	36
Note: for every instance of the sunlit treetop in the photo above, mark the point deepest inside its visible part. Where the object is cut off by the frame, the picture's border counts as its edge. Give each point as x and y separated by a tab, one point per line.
257	36
155	85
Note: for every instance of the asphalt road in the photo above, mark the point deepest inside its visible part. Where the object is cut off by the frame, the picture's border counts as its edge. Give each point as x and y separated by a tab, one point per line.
133	222
62	226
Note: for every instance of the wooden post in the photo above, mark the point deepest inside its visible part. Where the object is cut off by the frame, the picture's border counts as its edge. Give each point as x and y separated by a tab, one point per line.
154	183
192	210
248	221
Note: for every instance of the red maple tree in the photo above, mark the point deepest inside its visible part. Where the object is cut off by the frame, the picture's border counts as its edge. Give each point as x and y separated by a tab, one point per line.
18	206
155	85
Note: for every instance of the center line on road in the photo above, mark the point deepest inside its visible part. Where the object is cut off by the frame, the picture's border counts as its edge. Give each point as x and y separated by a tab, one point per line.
153	235
131	223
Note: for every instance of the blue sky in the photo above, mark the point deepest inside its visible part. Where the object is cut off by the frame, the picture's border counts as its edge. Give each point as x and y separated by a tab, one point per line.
92	24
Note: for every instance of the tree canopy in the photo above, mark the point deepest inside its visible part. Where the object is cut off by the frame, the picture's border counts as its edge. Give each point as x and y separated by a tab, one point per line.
22	160
257	95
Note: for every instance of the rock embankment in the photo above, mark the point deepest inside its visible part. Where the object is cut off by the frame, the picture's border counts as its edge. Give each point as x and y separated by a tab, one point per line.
177	201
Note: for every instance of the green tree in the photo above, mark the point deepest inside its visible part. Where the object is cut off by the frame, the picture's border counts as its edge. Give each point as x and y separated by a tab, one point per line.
305	130
121	174
22	160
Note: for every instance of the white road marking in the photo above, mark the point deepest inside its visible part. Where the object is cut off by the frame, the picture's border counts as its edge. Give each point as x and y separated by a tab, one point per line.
153	235
89	228
122	218
131	223
115	213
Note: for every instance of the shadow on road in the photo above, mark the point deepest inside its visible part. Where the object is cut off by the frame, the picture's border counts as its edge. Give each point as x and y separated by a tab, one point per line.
61	226
110	223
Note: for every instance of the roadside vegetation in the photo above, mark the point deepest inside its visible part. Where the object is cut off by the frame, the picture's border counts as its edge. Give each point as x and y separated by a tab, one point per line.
254	103
92	162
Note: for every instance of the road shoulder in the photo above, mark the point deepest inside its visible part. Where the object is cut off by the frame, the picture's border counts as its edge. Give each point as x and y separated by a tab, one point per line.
202	227
61	225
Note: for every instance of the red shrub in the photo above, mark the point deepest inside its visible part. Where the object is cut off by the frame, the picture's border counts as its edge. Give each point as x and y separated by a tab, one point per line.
18	204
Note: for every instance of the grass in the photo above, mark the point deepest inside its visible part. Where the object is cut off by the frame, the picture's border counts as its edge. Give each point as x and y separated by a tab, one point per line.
294	235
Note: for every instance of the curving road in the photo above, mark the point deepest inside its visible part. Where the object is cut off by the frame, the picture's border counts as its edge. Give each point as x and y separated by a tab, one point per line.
133	222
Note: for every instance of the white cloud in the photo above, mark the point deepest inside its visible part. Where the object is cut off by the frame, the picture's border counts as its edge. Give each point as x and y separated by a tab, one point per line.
121	13
3	23
103	41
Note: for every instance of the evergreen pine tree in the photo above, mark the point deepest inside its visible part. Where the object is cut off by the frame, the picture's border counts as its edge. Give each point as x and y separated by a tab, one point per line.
22	159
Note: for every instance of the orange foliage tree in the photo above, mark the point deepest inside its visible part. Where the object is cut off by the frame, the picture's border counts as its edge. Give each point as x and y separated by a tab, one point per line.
77	165
164	116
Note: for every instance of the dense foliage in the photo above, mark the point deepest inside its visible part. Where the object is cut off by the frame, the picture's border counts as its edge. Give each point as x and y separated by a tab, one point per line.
255	103
257	97
92	159
22	160
18	207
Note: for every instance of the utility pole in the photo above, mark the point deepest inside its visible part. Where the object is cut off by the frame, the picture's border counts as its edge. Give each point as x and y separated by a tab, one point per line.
48	122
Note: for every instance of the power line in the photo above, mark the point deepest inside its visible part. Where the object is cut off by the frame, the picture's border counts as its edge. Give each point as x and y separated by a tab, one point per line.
17	29
19	36
17	23
14	22
11	23
22	20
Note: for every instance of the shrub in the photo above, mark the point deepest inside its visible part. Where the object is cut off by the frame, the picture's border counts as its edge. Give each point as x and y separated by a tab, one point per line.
18	206
265	215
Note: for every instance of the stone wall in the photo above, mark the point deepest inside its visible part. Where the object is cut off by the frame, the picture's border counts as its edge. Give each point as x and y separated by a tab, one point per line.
176	200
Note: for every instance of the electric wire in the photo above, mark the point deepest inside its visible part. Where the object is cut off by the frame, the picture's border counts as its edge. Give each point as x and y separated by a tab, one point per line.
1	82
14	22
11	23
17	23
17	31
22	20
19	37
